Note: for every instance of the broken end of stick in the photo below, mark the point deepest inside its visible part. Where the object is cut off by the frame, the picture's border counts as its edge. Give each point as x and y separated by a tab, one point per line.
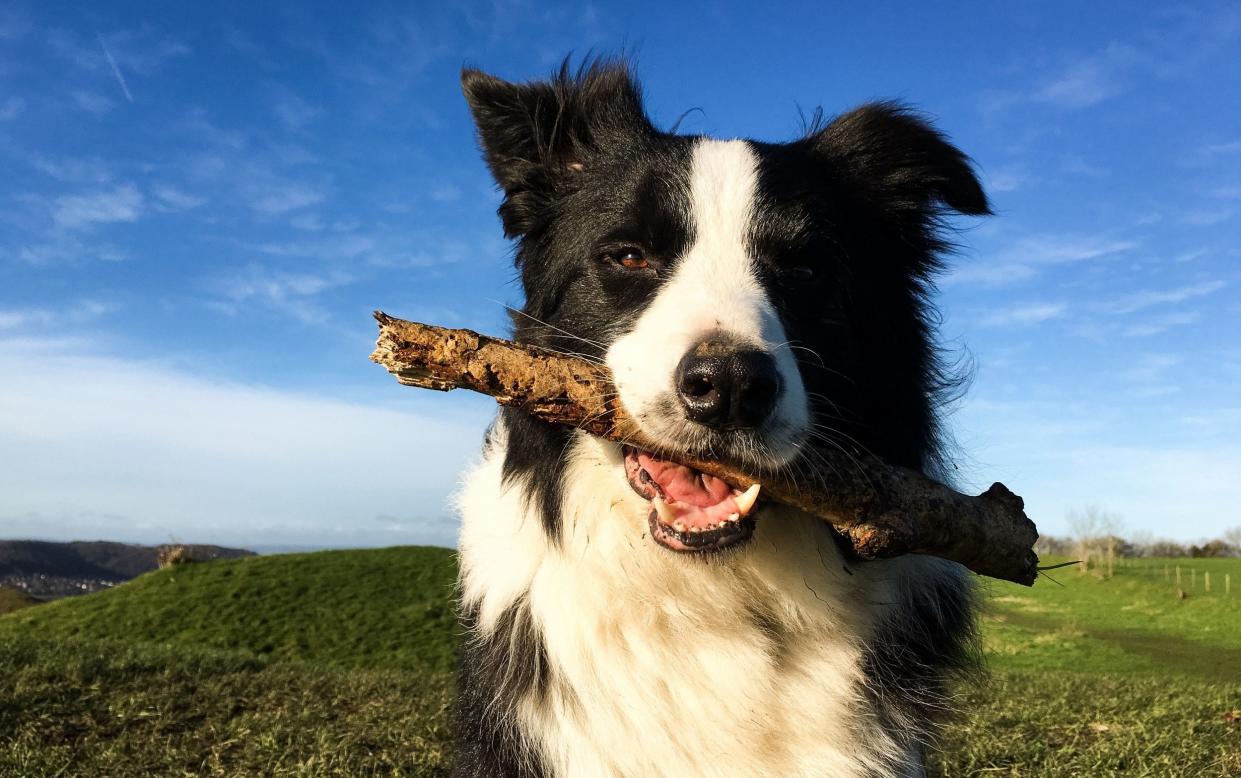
386	354
1002	494
1013	505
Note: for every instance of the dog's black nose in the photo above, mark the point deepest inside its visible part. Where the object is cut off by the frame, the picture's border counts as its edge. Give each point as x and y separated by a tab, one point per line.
725	388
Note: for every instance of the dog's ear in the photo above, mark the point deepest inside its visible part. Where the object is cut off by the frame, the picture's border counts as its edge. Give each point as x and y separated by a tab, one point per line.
538	137
907	165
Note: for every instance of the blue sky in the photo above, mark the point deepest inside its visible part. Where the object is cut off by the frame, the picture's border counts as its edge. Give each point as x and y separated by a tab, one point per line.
200	204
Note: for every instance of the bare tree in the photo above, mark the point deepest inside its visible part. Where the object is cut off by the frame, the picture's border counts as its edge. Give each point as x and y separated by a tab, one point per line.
1096	532
1233	536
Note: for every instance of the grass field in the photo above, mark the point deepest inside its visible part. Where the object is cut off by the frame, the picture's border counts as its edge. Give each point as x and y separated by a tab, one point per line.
13	600
1118	676
337	663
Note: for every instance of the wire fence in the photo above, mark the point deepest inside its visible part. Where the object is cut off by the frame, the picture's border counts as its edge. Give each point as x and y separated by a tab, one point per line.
1183	576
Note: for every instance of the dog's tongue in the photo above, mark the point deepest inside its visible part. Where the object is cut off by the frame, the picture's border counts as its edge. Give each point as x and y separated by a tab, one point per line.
694	499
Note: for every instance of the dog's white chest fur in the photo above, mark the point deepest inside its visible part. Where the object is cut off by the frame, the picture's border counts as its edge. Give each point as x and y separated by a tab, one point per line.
658	664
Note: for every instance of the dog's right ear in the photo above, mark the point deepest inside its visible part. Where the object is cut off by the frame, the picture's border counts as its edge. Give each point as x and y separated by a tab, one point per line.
538	137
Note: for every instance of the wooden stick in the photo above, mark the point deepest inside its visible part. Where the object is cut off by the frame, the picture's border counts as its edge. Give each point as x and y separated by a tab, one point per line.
883	510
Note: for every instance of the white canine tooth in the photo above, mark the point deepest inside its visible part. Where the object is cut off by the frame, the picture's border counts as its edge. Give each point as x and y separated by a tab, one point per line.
734	516
678	525
745	503
666	514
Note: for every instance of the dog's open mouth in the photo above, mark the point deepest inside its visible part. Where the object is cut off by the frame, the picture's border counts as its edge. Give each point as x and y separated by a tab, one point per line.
691	512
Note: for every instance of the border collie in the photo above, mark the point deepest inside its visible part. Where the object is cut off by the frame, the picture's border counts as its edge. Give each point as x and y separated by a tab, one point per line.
628	616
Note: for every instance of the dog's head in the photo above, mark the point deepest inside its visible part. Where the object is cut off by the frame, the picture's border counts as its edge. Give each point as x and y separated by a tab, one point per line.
752	299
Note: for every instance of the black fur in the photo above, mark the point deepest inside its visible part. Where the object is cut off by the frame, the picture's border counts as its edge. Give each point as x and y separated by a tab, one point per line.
506	665
568	220
850	235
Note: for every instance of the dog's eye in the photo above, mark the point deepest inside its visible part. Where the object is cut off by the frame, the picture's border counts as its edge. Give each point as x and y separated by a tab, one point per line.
631	259
800	273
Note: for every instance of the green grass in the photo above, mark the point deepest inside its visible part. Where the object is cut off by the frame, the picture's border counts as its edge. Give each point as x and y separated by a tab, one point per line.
1116	676
81	707
338	663
378	608
1131	624
14	599
1066	724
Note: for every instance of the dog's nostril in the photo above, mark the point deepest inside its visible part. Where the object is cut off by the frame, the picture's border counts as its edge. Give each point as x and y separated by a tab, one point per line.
727	389
697	386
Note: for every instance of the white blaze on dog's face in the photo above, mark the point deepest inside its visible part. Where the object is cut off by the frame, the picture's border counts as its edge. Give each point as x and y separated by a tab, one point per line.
725	283
715	297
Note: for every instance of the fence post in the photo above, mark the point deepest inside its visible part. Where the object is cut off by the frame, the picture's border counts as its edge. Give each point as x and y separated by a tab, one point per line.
1207	577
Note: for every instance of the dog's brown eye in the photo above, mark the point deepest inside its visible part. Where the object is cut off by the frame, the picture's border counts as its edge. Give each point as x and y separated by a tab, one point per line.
632	259
801	273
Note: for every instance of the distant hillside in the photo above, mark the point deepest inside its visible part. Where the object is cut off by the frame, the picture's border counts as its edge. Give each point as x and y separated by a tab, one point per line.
48	570
373	608
93	559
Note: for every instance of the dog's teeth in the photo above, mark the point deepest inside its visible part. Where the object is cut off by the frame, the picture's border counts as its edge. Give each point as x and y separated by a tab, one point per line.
678	525
666	514
696	530
734	516
745	503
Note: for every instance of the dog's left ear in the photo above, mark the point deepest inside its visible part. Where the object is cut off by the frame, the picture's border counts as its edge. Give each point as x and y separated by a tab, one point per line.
537	137
906	165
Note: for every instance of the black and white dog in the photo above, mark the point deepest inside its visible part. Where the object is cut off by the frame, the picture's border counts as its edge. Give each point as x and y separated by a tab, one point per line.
627	616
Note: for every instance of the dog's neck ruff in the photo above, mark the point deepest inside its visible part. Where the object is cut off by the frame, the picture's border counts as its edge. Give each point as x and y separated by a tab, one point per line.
654	663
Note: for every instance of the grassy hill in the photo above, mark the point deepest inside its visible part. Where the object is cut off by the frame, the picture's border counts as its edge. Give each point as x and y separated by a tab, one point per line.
338	663
378	608
13	599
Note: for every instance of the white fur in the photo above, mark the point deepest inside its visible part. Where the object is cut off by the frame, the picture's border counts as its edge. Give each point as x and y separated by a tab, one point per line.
714	288
658	667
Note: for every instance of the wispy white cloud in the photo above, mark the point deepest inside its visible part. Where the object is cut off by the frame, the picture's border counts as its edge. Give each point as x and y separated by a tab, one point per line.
1024	315
1149	368
293	111
1191	255
169	198
1027	257
331	247
446	193
1151	297
142	51
197	124
1176	45
72	170
75	313
1227	148
1090	80
276	198
291	294
91	102
62	248
121	204
116	71
1160	324
1205	217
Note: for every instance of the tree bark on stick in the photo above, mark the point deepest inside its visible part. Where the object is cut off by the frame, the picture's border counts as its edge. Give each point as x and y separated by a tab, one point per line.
882	510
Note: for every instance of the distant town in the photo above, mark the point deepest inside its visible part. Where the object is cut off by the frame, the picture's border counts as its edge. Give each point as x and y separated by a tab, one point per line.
47	570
